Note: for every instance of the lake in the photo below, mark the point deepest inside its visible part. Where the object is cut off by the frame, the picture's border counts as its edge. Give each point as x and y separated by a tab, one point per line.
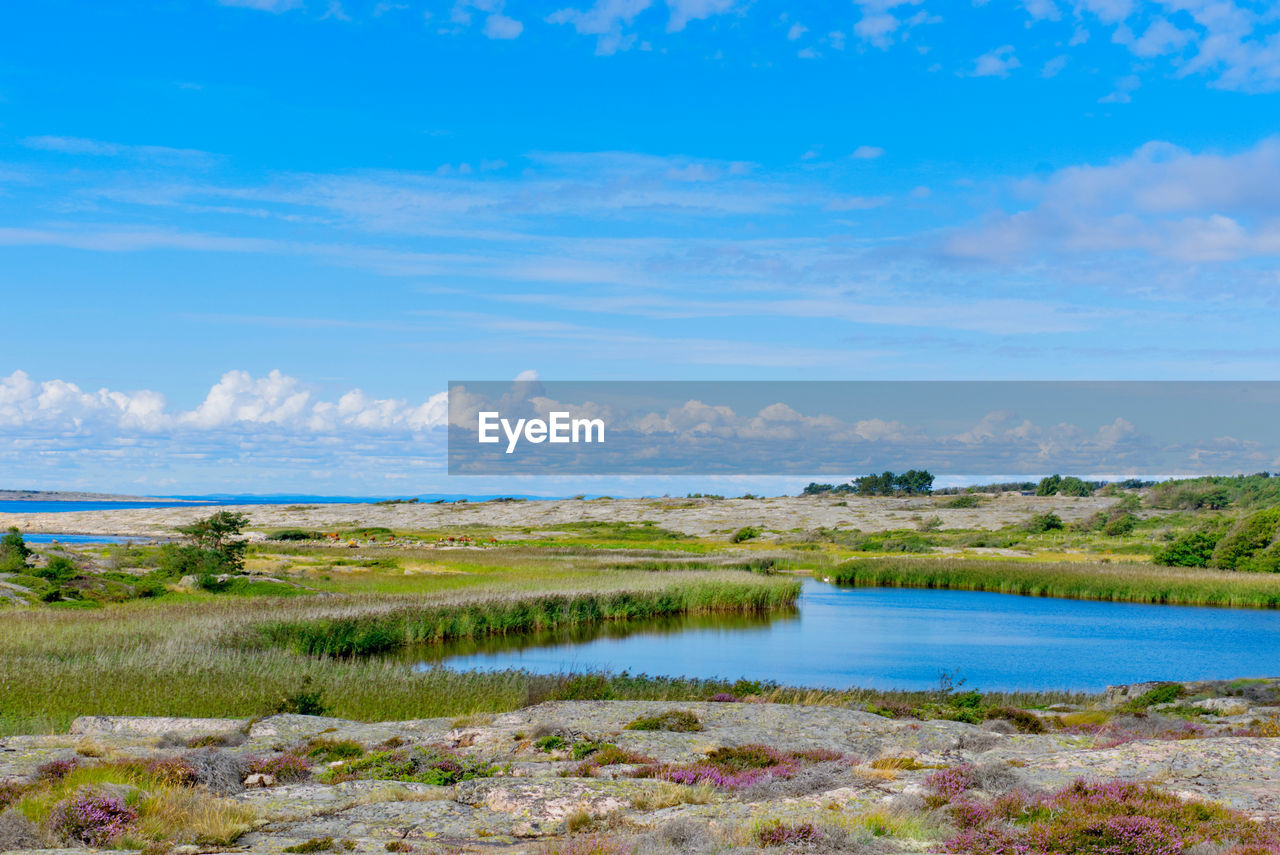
901	638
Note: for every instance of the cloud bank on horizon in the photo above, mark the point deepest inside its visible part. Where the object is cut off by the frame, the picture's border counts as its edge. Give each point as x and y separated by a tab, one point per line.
365	199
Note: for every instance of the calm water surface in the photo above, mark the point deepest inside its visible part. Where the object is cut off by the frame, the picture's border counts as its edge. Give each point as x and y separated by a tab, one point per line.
901	638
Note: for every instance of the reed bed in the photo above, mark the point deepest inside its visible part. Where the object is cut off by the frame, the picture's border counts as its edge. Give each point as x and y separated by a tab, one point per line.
1132	583
367	633
211	657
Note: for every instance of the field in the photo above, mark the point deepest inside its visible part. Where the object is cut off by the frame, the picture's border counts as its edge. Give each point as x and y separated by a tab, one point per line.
298	617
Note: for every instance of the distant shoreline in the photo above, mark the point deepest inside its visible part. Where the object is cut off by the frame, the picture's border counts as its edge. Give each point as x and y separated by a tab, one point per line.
76	496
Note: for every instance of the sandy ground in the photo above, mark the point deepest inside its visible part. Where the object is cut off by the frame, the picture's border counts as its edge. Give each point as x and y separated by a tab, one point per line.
698	517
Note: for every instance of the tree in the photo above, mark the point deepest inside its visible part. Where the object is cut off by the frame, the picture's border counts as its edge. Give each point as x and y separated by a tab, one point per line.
13	551
213	545
1049	486
1193	549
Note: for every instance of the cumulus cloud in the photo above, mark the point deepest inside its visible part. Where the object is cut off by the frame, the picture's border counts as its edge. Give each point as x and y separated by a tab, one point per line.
275	6
1162	200
867	152
606	20
996	63
684	11
238	399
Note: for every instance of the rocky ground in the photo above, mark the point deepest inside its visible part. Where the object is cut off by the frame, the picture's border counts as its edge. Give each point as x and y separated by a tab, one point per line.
696	517
534	792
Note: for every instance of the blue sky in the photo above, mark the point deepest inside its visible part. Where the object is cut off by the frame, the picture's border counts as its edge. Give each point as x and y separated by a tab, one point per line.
244	245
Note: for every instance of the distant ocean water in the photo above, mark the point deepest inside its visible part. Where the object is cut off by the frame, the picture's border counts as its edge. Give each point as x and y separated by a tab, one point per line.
29	507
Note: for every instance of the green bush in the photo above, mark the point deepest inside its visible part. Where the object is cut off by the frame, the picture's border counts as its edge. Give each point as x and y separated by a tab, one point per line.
14	552
675	721
1249	536
1047	521
747	532
968	500
1193	549
59	569
290	534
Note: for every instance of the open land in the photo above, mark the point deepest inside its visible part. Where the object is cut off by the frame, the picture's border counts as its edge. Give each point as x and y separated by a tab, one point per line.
149	703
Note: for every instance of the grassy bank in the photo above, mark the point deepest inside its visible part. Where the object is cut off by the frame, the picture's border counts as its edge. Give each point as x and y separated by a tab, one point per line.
364	633
1133	583
210	657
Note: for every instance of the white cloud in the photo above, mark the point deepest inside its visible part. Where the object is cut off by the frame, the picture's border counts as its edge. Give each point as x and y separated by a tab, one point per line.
98	148
1123	93
238	399
1162	201
1042	10
880	24
1054	67
867	152
275	6
605	20
797	30
996	63
498	26
684	11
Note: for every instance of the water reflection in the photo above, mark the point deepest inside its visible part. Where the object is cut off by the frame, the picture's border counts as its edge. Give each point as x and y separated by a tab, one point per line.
438	653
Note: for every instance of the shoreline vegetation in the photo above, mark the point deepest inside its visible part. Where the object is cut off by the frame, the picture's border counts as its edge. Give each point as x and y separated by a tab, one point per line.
254	610
1127	583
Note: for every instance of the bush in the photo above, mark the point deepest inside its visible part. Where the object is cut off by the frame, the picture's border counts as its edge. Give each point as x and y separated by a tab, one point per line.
1193	549
290	534
59	569
747	532
14	552
676	721
17	832
1040	523
91	817
968	500
283	767
1249	536
305	701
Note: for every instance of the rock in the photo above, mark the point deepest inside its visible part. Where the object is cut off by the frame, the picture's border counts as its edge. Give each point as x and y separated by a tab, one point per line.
139	726
1222	706
259	779
188	582
1121	695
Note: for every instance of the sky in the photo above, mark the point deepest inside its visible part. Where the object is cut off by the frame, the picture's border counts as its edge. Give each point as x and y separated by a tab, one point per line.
244	245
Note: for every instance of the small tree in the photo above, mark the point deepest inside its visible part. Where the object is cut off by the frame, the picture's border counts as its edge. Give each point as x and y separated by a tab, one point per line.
213	545
13	551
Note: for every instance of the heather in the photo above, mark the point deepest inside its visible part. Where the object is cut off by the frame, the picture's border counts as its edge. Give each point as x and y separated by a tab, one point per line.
1098	818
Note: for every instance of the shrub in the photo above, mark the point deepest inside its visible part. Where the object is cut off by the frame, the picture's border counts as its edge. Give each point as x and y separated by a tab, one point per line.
58	569
173	772
220	772
1193	549
1112	817
434	765
285	768
1249	536
676	721
945	784
329	750
17	832
305	701
92	818
14	552
780	834
1164	694
550	743
10	792
747	532
290	534
968	500
56	770
1026	722
1047	521
315	844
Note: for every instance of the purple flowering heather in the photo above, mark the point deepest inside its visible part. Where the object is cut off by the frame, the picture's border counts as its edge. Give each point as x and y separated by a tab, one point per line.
92	818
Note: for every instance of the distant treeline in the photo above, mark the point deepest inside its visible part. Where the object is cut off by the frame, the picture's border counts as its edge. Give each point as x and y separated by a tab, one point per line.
1213	492
910	483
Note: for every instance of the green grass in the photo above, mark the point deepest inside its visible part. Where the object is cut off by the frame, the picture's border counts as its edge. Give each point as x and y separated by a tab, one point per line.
365	633
1133	583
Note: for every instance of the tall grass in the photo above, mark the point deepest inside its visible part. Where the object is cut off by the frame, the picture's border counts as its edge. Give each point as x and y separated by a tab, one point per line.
208	656
1134	583
365	633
